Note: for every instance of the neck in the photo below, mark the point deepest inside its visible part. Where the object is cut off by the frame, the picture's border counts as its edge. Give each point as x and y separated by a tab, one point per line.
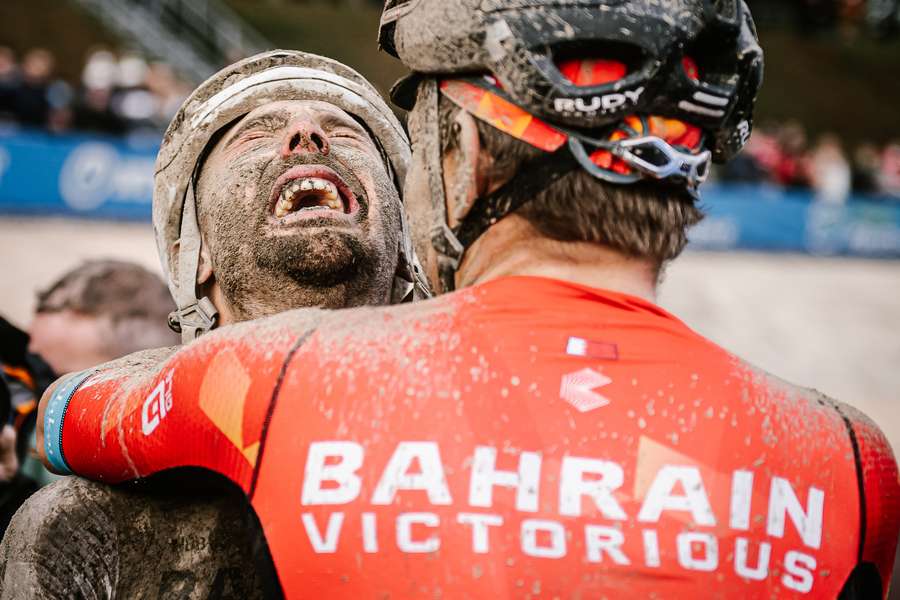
512	247
279	300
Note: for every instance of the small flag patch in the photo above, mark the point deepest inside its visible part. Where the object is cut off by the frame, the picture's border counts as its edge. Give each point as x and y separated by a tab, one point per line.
590	349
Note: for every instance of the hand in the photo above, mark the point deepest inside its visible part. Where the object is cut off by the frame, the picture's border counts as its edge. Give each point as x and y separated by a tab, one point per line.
9	461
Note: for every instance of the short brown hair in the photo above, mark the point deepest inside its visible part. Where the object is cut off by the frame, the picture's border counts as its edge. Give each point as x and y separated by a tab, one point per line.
644	220
131	300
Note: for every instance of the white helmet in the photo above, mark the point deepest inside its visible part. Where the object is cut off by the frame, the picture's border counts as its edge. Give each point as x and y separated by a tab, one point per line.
226	96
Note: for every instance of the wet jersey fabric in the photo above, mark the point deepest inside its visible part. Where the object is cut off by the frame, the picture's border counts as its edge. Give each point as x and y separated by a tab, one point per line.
523	438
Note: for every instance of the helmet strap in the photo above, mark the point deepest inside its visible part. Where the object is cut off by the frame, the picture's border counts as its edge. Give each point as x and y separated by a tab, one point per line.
410	282
449	249
194	317
534	176
451	244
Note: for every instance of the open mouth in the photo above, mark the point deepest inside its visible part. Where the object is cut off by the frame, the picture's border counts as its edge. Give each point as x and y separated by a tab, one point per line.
309	191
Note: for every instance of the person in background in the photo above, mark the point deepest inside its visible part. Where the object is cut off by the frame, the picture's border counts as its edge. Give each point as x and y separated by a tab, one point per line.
9	83
170	92
31	104
98	312
93	109
829	171
23	378
132	102
866	167
790	170
890	170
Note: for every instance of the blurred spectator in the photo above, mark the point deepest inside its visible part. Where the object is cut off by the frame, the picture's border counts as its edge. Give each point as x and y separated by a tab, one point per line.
31	104
169	91
132	102
778	155
93	111
758	160
23	378
866	169
829	171
790	171
59	99
9	82
100	311
126	95
890	170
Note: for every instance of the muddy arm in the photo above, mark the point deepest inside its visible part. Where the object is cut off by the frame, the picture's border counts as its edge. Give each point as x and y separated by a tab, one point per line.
77	538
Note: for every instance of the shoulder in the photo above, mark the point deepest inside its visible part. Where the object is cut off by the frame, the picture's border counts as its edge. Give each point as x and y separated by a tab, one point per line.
143	363
77	537
60	529
877	477
879	491
388	324
875	469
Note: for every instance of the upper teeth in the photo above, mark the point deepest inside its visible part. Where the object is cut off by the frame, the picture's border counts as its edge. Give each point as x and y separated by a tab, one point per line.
294	191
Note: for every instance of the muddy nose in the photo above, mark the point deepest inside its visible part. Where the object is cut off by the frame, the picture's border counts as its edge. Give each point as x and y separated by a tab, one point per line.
305	137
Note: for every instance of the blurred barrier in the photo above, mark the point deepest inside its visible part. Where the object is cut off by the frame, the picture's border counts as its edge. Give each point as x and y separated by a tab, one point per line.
84	176
74	175
766	218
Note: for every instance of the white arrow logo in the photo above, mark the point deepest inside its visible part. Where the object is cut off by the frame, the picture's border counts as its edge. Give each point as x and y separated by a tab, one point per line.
577	389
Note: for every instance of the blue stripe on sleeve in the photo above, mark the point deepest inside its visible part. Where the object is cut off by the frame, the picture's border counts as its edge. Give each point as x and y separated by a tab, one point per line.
53	420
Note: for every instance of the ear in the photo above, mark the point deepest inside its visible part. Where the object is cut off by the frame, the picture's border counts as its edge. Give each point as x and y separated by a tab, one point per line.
462	177
204	266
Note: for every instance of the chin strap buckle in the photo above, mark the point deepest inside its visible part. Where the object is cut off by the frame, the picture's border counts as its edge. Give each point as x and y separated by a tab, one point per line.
194	320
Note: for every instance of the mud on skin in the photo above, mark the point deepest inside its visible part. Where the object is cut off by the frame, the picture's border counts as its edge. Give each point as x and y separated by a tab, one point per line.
263	271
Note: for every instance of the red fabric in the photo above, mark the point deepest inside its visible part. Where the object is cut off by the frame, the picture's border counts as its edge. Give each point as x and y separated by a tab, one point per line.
691	68
879	474
204	409
590	72
662	469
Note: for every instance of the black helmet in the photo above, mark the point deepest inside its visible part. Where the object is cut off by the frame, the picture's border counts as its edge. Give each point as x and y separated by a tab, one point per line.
522	43
696	63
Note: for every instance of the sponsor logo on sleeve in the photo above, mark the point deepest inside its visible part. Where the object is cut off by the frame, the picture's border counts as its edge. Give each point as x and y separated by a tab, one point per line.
157	405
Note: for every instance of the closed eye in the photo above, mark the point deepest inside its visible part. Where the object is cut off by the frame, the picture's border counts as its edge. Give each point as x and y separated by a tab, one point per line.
260	127
345	133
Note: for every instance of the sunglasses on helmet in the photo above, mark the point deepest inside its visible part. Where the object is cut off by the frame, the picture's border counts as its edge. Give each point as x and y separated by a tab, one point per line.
639	148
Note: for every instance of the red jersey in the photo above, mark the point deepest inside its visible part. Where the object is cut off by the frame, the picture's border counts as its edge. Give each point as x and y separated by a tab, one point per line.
522	438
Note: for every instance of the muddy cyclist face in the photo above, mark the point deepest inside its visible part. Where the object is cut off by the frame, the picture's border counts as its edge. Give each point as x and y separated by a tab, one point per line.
297	209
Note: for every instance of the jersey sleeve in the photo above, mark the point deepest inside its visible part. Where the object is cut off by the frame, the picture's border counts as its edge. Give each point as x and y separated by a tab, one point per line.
205	407
880	492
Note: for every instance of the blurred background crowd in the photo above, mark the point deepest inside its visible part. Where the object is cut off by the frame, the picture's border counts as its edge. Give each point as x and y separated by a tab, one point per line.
126	94
782	154
116	94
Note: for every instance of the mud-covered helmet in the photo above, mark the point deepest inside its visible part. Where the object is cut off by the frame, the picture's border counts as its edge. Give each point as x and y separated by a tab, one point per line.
524	43
226	96
624	89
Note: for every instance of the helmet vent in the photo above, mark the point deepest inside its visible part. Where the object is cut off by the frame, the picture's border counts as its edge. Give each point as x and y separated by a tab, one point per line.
629	59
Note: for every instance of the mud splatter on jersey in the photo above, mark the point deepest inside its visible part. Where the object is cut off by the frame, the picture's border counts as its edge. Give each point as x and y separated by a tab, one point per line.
522	438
